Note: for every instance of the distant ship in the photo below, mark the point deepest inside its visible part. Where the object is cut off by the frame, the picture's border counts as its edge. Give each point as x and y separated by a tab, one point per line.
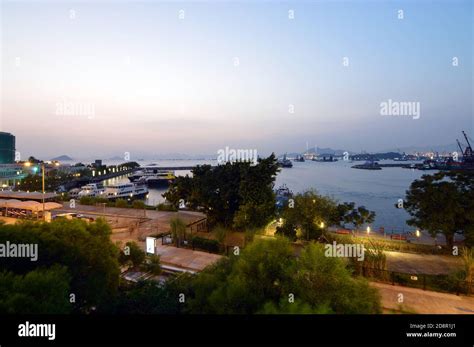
153	176
284	162
299	158
368	165
325	158
161	179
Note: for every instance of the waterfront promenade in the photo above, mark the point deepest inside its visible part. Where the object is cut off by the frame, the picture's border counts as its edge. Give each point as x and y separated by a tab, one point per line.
422	301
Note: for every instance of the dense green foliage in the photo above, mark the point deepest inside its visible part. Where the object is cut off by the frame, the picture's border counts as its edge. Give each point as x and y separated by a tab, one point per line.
266	277
132	254
78	258
84	249
237	194
204	244
311	213
443	203
39	291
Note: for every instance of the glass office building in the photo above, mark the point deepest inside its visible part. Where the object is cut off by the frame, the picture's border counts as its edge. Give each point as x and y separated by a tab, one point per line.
7	148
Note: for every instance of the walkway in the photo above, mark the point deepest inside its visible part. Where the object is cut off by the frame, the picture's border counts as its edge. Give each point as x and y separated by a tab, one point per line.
423	301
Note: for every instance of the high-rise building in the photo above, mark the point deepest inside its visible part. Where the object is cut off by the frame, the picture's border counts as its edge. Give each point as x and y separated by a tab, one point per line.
7	148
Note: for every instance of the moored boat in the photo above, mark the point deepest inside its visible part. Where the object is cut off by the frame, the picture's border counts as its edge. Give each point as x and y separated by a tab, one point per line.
127	191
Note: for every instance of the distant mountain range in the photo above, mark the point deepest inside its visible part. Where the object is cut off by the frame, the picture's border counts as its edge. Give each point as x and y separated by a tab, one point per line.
63	158
320	150
440	148
315	150
407	149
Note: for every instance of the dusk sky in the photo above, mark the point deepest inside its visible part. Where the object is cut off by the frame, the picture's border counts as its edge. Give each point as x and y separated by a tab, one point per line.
228	72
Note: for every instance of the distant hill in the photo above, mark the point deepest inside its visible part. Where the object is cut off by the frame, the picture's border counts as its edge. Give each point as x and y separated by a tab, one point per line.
63	158
437	148
319	150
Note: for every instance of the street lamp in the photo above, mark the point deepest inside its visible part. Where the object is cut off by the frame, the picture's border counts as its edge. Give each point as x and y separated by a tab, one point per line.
418	233
368	230
28	164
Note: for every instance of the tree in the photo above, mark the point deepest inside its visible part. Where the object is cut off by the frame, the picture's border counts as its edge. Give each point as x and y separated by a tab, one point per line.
310	214
443	203
360	216
133	254
84	248
237	194
262	277
153	264
145	297
41	291
322	280
287	229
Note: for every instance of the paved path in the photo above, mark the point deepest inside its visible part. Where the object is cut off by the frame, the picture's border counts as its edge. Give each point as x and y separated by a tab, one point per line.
422	263
423	301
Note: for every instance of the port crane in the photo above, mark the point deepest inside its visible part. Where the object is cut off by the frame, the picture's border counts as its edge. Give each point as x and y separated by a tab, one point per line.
468	153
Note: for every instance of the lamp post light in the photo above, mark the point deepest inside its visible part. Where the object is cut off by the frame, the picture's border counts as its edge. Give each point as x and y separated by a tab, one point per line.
28	164
368	230
42	176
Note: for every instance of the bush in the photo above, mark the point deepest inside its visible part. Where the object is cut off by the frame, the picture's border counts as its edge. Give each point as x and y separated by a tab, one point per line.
205	244
166	207
138	204
121	203
86	200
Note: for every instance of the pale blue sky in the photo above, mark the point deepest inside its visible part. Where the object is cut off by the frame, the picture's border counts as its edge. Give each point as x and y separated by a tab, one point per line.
160	84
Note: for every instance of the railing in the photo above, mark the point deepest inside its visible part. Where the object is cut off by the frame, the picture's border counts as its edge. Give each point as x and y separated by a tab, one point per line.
439	283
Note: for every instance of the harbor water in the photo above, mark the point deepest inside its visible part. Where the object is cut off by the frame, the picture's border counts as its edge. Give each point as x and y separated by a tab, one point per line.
377	190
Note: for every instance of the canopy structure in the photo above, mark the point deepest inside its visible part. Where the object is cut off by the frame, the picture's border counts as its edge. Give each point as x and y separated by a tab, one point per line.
27	196
32	206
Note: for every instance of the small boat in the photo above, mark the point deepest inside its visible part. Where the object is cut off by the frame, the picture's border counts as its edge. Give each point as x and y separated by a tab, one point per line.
282	195
368	165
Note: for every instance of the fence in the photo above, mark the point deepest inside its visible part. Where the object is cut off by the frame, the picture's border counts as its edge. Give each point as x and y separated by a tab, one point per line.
439	283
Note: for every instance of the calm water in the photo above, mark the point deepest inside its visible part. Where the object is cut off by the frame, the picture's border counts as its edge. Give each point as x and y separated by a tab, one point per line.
376	190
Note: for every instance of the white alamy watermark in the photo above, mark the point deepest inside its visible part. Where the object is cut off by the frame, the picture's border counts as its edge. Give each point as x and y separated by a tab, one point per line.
349	250
400	108
19	250
37	330
76	109
230	155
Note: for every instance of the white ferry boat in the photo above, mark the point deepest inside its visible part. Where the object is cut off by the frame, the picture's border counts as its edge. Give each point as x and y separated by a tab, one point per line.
92	190
127	191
